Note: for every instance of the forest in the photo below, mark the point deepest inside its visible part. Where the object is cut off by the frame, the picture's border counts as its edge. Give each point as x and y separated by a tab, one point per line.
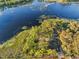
48	40
13	3
51	38
16	2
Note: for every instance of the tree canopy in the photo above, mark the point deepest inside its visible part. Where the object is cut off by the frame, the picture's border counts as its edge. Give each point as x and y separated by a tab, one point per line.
51	37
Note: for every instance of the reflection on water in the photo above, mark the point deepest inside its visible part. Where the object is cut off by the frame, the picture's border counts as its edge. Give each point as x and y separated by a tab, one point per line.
12	19
63	10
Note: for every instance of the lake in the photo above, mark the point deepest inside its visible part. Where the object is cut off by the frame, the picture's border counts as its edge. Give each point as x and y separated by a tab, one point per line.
12	19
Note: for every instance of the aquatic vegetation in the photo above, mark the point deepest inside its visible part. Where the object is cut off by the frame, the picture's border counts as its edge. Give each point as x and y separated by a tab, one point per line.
51	38
48	39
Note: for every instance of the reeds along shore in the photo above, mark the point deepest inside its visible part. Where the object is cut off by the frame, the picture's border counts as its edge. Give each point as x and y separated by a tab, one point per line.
46	40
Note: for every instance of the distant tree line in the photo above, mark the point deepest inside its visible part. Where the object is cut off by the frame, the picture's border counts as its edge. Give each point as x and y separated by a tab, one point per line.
11	3
59	0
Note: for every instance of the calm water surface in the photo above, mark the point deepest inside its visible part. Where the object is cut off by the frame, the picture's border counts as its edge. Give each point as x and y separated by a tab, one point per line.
12	19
